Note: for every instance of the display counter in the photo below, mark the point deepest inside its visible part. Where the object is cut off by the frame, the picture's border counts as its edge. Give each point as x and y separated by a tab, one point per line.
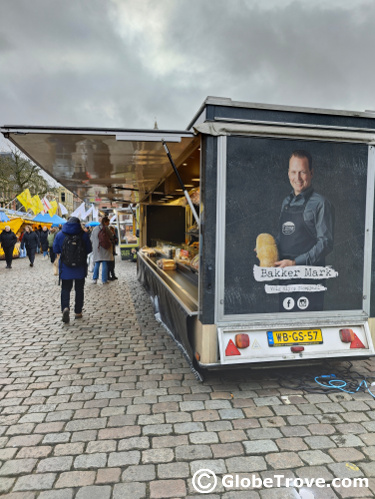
182	282
175	296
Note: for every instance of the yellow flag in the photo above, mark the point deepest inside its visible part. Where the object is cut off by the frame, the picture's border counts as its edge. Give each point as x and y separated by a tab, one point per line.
35	205
39	203
53	210
25	199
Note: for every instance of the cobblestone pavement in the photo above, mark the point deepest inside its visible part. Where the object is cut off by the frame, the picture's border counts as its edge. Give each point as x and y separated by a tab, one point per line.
107	407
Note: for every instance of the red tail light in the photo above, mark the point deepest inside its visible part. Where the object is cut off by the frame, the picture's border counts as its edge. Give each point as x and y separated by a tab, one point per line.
346	335
349	336
242	340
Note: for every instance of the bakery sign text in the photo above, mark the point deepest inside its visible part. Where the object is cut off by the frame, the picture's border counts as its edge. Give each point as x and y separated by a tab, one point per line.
295	272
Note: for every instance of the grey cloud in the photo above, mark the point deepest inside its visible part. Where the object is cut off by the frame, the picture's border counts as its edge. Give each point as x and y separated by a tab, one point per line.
297	54
65	63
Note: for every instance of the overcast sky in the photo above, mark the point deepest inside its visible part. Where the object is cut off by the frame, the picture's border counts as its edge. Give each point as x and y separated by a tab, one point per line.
123	63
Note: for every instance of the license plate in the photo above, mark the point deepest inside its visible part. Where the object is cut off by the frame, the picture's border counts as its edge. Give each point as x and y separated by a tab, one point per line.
294	337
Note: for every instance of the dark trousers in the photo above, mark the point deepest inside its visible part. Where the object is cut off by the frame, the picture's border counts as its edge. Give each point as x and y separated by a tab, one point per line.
66	287
8	252
31	254
111	269
52	255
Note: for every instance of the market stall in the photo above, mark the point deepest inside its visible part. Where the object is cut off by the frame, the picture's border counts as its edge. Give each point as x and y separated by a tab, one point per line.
242	176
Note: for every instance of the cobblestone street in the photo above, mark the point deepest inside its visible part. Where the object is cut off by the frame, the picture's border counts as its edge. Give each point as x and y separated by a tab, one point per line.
106	407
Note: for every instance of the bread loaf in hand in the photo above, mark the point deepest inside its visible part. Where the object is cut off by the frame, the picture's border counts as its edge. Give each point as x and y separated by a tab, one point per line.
266	250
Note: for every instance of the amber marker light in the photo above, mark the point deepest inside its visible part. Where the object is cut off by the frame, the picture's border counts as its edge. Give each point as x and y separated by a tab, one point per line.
346	335
242	340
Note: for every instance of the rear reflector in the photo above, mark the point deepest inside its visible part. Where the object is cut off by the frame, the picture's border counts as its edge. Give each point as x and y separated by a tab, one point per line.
242	340
349	336
231	349
297	349
356	343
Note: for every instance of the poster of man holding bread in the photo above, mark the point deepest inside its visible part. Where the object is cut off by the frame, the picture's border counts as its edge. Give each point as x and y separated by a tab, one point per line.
306	228
305	235
301	205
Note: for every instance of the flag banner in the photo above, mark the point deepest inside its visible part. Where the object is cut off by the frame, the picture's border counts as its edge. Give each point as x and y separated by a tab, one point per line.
34	206
46	204
87	213
81	210
25	199
95	213
63	210
53	210
39	204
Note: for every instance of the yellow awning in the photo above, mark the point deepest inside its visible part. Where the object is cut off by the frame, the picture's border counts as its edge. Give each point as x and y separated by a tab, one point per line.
14	224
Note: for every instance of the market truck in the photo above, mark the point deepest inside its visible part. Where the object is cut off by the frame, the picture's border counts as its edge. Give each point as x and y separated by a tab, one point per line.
256	225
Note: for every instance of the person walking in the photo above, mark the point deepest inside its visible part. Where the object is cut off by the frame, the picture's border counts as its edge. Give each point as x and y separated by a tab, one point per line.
111	264
44	241
30	241
73	245
38	230
22	250
102	244
8	240
50	239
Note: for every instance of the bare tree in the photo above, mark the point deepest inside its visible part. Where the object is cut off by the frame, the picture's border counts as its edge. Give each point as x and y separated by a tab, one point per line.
18	173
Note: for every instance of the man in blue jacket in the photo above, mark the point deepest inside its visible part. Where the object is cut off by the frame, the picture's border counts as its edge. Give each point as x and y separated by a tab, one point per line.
73	245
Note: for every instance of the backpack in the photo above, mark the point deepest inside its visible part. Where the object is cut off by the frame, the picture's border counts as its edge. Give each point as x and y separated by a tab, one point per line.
104	239
73	252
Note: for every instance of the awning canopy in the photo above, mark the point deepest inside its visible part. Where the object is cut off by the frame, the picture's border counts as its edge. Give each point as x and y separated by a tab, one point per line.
14	224
47	219
103	164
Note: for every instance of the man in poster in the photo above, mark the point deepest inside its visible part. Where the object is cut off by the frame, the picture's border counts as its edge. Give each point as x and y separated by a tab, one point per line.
306	228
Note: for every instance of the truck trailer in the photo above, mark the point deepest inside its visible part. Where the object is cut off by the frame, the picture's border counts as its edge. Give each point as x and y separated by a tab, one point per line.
255	225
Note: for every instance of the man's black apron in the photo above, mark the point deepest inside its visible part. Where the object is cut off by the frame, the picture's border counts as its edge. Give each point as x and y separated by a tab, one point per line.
296	239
